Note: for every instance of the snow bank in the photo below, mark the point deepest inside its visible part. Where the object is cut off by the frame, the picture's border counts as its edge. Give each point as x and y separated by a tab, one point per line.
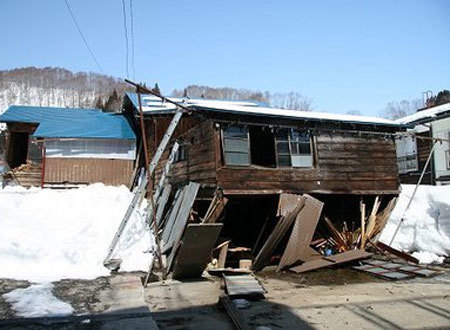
37	301
426	228
48	234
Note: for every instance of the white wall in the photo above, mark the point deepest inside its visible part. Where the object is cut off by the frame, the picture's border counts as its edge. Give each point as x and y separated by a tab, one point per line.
441	129
90	148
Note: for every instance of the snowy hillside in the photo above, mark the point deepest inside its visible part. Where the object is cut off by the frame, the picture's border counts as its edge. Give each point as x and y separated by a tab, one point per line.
55	87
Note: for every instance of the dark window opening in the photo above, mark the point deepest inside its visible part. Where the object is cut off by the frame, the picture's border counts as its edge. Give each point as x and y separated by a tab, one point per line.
18	149
262	147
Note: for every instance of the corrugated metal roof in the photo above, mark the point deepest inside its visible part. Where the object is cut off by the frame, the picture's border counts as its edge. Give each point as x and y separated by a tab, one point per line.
70	123
153	105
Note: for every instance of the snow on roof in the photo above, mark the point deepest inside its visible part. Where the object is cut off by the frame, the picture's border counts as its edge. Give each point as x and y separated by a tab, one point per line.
70	123
154	104
427	114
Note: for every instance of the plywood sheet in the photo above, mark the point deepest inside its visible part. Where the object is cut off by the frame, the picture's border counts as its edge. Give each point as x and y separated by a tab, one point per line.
195	250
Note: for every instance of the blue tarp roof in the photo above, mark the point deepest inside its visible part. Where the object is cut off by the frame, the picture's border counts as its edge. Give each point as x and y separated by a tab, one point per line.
70	123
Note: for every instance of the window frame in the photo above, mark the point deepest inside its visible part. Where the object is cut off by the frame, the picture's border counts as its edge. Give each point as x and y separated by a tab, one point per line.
290	142
404	159
224	127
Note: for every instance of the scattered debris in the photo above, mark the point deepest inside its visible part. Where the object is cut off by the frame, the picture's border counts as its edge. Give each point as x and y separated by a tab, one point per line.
243	285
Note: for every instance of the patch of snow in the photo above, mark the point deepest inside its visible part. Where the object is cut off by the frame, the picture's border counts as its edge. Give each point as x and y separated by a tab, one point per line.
426	225
155	104
428	258
37	301
48	234
424	114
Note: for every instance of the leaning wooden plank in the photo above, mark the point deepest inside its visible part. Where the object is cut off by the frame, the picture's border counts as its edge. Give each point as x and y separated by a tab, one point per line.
371	222
277	234
234	313
400	254
195	252
162	203
223	255
216	210
181	221
298	248
287	203
344	257
172	216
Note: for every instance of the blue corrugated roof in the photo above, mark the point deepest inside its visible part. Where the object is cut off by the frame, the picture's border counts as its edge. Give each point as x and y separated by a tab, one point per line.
70	123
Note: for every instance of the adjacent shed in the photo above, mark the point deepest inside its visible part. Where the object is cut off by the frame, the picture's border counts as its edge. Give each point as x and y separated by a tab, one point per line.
59	146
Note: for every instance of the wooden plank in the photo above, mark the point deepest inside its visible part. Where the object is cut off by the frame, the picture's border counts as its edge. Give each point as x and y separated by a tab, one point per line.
305	225
243	285
171	217
336	259
181	220
400	254
223	255
234	313
195	250
162	203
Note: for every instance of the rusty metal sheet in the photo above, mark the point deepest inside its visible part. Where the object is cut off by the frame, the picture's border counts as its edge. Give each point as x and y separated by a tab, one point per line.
277	235
298	248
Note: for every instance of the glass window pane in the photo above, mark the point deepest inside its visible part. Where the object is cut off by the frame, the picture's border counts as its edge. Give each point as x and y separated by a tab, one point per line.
283	148
233	158
282	134
304	148
302	161
299	136
284	161
235	145
235	131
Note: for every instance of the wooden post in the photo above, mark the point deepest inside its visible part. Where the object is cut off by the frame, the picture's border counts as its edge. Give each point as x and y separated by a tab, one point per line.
43	166
362	208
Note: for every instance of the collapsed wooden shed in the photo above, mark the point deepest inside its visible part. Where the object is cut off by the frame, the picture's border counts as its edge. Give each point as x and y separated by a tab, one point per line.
246	149
60	147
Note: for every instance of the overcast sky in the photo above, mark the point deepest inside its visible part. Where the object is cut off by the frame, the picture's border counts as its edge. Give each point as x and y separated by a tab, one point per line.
345	55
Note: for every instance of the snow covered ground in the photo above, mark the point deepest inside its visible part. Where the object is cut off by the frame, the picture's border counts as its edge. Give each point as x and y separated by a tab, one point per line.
48	234
426	228
37	301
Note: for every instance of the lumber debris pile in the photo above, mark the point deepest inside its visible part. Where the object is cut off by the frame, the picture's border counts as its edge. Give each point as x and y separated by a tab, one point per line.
186	239
370	227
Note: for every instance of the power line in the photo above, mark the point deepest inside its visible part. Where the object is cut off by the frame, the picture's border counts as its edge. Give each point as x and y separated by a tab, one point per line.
126	36
82	36
132	38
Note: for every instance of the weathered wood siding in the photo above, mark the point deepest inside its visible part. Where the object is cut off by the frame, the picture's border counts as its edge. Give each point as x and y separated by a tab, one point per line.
200	165
113	172
342	165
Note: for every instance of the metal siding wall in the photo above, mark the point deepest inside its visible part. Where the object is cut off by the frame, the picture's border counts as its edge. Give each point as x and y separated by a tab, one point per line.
87	170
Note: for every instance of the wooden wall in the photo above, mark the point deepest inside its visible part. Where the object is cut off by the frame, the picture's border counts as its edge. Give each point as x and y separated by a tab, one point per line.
113	172
347	165
200	165
342	164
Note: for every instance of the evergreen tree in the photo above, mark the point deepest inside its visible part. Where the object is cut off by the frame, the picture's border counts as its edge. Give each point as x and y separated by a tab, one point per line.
99	103
156	90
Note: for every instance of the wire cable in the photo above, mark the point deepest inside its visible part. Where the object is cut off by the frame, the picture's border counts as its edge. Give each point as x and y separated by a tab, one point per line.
83	37
126	36
132	38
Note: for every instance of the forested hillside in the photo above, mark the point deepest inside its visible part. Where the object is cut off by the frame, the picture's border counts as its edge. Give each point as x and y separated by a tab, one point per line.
56	87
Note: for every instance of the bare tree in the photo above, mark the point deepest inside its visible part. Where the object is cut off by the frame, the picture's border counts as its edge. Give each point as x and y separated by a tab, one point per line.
395	110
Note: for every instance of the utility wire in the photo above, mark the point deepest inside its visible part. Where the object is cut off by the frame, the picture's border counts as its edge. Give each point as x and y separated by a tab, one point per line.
132	38
82	36
126	36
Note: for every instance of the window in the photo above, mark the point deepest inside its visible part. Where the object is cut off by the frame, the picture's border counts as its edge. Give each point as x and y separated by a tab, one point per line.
293	148
236	145
181	154
407	155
